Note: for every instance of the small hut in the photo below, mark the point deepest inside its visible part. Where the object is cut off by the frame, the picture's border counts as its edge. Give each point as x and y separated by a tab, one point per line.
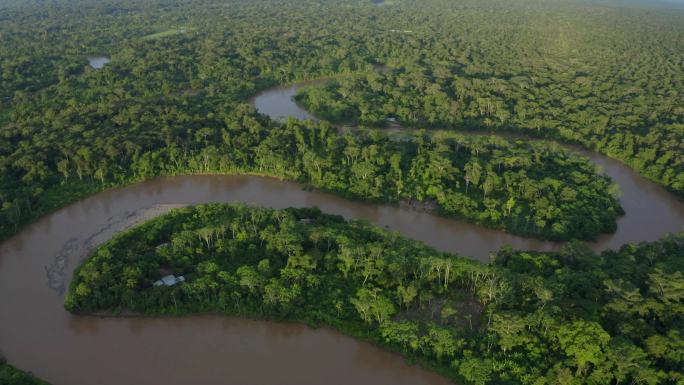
170	280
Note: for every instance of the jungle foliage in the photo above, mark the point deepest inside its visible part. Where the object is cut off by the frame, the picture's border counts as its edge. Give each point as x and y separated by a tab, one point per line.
68	130
9	375
529	188
529	318
173	100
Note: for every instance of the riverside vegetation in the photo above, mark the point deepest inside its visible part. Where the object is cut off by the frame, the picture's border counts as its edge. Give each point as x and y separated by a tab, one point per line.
10	375
464	64
533	318
603	75
68	130
526	188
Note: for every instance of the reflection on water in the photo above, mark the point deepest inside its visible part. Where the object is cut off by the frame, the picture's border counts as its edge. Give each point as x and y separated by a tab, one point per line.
97	62
278	102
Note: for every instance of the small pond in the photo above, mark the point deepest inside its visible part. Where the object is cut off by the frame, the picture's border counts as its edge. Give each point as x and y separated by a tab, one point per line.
97	62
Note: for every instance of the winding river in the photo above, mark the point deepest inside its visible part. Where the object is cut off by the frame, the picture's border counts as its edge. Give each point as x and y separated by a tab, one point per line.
651	211
38	335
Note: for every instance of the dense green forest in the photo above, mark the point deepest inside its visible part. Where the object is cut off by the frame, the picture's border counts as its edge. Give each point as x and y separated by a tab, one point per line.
605	78
531	318
180	76
606	74
527	188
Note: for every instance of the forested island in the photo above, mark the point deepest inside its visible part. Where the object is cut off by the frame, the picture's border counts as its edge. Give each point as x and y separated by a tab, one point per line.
477	89
536	318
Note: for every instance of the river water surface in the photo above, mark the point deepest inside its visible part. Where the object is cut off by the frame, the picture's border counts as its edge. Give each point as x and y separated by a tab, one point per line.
651	211
38	335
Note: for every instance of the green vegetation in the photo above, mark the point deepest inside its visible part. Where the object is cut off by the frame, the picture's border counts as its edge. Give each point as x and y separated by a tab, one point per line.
4	115
9	375
526	188
531	318
460	68
461	102
607	77
168	32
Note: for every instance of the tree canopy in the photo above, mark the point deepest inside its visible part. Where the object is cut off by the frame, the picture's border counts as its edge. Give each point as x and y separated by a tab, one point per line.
180	75
528	318
9	375
174	100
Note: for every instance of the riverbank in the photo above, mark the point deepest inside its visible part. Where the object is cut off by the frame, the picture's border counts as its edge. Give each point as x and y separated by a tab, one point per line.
442	233
9	375
303	265
491	182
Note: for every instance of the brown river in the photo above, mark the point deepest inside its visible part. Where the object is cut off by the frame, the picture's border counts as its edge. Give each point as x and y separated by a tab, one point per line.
38	335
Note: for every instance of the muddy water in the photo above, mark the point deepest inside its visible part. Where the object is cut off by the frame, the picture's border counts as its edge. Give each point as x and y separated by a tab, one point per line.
36	334
652	212
278	102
